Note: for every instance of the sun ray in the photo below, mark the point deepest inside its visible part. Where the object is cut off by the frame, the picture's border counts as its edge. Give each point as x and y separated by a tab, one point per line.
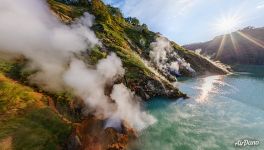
252	39
234	43
221	46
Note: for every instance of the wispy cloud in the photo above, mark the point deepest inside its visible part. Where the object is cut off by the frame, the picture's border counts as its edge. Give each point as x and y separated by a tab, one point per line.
260	5
160	15
157	8
187	21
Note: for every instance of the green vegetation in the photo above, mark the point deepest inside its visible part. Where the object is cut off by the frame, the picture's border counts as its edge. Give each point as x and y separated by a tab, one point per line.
36	129
115	35
26	118
65	12
132	20
141	37
16	70
33	118
15	96
5	66
95	55
124	37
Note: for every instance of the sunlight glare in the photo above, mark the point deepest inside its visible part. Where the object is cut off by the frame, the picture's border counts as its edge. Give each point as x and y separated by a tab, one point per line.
221	46
208	86
227	24
252	39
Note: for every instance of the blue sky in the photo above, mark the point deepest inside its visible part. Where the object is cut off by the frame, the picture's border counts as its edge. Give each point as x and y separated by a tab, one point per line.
189	21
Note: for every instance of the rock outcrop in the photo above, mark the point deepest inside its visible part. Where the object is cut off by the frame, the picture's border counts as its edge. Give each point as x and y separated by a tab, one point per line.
132	43
91	134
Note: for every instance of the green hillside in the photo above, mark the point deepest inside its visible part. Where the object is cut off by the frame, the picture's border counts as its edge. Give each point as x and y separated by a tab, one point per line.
27	120
32	118
130	40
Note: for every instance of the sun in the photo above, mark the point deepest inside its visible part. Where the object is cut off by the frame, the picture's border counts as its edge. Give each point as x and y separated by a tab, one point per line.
227	24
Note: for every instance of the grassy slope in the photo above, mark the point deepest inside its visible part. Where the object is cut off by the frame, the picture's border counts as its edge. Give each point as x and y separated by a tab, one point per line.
110	29
26	122
128	41
202	65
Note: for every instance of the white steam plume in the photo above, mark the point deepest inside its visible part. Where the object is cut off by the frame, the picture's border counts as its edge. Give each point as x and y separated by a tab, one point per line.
166	59
198	51
174	66
27	27
159	51
128	107
90	85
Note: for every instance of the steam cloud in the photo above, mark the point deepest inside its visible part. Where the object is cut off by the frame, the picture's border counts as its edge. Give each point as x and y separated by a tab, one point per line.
160	48
28	28
198	51
166	59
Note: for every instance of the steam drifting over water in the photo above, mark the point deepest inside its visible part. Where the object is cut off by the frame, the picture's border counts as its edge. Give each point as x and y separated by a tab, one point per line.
28	28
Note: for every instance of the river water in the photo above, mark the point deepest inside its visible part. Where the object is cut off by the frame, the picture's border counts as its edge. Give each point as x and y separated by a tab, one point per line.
221	111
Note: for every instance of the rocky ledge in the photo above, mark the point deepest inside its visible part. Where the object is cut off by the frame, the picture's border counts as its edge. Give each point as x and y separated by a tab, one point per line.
91	134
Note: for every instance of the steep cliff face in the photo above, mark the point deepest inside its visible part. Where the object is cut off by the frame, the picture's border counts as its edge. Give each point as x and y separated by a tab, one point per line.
133	43
241	47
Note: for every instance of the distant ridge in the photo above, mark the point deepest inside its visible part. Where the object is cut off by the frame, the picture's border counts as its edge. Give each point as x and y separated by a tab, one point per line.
244	46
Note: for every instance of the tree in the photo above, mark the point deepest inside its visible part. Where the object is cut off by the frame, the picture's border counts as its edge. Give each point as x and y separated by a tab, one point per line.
114	11
132	20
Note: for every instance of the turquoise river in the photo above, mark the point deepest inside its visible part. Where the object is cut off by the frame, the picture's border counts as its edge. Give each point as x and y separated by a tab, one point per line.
221	111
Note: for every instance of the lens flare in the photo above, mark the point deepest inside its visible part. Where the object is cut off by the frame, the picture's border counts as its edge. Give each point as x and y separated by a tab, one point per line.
227	24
